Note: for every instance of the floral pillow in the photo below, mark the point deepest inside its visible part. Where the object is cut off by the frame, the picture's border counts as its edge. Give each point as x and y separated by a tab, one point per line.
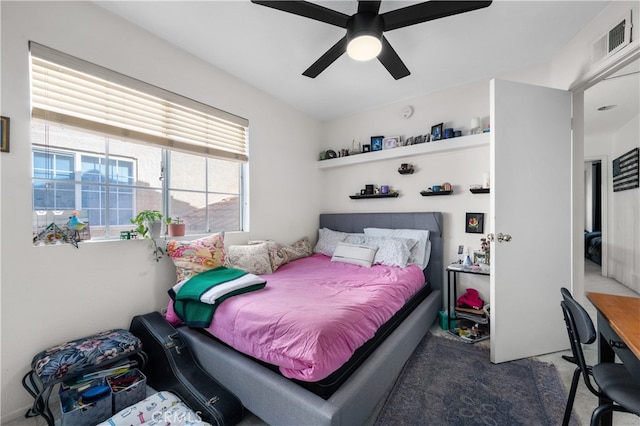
328	241
391	251
252	258
280	254
193	257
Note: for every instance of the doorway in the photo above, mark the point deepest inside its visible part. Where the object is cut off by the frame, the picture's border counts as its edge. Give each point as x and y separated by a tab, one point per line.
609	105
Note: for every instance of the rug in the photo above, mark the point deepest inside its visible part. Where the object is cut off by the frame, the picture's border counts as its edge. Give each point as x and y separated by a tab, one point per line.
449	382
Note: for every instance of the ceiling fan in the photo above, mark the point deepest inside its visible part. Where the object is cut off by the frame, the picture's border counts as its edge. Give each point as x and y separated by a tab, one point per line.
364	39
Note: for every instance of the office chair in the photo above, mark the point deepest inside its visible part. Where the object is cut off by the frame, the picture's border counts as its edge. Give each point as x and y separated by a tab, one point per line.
614	380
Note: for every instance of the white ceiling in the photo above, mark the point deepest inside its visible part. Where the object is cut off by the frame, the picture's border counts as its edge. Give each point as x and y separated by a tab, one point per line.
270	49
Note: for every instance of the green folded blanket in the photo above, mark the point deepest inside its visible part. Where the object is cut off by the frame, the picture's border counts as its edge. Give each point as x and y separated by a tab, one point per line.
196	300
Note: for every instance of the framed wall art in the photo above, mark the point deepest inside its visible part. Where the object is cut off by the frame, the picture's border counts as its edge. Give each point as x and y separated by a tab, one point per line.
474	223
625	171
389	143
376	143
4	131
436	132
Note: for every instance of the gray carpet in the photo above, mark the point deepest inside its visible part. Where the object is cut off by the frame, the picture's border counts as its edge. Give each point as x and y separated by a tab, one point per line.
449	382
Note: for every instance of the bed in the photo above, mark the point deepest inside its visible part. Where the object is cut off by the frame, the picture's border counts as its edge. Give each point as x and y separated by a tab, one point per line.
592	246
278	400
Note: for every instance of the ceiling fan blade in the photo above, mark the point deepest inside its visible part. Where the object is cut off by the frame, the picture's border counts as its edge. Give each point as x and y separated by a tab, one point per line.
327	59
308	10
428	11
391	61
368	6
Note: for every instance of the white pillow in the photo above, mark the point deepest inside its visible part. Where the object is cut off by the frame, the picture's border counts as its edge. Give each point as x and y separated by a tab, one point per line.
419	254
328	240
355	254
391	251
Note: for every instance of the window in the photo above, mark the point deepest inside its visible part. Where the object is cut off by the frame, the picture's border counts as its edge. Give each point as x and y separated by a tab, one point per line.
70	173
107	150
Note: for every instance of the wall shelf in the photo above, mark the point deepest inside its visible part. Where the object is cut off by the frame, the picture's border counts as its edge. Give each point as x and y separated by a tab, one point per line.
444	145
430	193
360	197
480	191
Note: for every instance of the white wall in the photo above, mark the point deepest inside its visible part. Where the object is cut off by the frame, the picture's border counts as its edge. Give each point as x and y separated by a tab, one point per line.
455	108
50	294
624	208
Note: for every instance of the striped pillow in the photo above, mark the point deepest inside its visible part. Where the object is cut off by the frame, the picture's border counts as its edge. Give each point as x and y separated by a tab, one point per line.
355	254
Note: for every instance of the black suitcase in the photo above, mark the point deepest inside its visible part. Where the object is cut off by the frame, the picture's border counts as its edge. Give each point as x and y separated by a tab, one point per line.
172	367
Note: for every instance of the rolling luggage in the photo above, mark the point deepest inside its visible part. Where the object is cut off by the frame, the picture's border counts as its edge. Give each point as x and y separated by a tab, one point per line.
172	367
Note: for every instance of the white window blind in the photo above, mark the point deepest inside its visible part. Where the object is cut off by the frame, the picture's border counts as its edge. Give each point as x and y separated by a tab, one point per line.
71	91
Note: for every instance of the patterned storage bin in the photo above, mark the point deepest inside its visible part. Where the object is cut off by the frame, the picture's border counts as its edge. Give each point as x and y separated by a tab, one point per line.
72	359
162	408
76	412
127	388
78	356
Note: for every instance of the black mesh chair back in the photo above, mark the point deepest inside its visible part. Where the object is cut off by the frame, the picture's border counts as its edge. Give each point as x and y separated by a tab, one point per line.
581	330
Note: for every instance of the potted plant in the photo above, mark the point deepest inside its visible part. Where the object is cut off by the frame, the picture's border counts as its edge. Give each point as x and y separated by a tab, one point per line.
148	226
175	227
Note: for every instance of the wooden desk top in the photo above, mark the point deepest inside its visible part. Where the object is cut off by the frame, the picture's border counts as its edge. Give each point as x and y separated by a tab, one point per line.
623	313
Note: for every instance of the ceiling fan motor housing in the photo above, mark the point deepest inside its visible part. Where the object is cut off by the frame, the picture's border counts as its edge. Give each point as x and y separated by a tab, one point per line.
365	24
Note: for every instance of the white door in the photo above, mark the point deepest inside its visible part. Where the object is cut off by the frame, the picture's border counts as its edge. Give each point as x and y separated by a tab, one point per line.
531	206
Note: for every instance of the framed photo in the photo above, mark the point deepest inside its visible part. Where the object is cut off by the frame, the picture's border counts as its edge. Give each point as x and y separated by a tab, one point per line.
436	132
418	139
474	223
427	137
479	257
366	148
409	141
376	143
4	131
389	143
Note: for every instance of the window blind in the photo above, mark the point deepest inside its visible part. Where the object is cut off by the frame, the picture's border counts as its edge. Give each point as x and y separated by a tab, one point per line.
75	92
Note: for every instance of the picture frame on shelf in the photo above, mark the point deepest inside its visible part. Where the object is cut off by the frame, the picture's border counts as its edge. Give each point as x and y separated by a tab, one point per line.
436	132
366	148
474	223
409	141
376	143
391	142
4	131
418	139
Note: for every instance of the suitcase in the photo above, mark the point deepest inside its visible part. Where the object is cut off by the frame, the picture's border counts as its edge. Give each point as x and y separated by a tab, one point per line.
172	367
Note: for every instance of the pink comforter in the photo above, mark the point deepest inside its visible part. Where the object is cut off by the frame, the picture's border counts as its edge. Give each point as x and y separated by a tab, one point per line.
314	313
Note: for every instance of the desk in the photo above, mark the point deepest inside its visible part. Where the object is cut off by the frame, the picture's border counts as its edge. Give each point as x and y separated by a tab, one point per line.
618	332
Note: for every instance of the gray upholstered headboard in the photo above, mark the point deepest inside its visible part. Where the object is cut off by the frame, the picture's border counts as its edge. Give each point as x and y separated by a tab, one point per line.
356	222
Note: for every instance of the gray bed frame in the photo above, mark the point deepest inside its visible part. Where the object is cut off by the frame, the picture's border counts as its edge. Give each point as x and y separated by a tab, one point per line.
279	401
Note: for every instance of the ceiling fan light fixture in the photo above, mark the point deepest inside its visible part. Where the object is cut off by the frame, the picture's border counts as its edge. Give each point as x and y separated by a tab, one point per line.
364	48
364	36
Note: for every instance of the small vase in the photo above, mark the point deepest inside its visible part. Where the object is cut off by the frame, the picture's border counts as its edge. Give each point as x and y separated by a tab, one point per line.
155	228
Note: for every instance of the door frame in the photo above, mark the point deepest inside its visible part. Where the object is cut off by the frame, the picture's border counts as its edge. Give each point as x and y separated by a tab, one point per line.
623	58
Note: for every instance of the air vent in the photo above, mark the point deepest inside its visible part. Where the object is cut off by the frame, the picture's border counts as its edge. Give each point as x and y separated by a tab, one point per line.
613	41
616	36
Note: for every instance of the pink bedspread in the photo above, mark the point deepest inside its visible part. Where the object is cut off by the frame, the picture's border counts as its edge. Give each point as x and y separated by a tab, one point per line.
313	313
